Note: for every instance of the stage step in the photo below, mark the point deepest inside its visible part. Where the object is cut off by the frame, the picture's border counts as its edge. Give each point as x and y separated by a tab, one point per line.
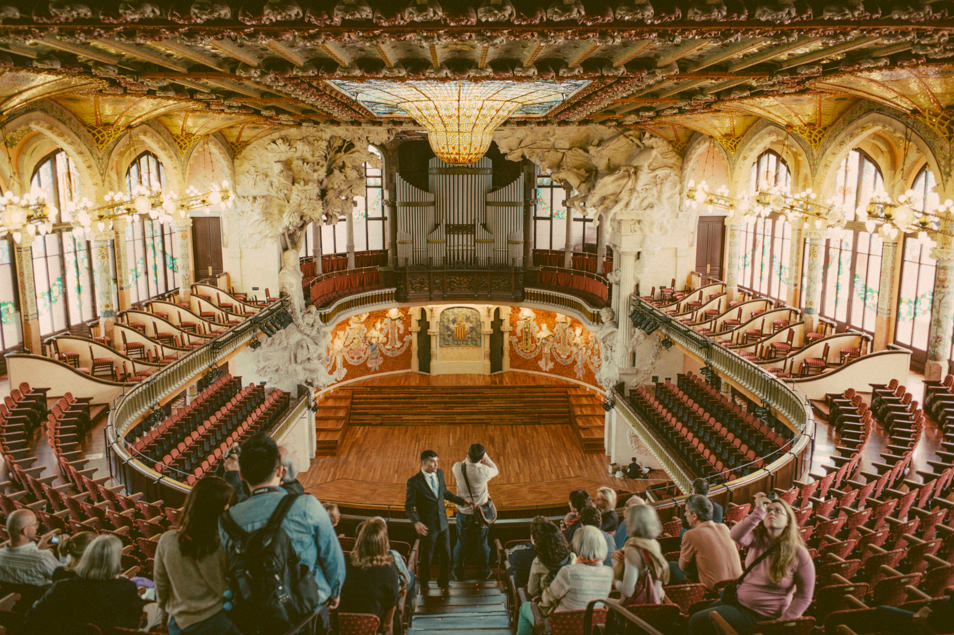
473	607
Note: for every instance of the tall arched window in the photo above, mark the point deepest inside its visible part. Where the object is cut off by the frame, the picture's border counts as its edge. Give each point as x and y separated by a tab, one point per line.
549	219
917	277
765	260
369	219
852	269
334	238
153	267
10	335
62	264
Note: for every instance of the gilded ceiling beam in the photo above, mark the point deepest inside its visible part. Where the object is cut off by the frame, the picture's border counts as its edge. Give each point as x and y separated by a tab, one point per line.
732	51
435	58
384	55
637	49
533	54
830	51
235	87
680	87
484	54
772	53
579	58
80	51
142	54
190	54
19	49
332	51
681	51
234	51
285	52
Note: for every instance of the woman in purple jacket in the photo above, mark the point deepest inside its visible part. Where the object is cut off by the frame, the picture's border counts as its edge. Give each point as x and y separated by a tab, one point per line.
780	585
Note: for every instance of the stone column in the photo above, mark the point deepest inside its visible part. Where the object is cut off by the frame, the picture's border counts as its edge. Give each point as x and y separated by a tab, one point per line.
942	311
121	253
568	243
795	253
349	220
505	329
600	248
183	238
389	183
23	255
414	330
529	209
733	251
103	276
623	291
813	279
316	237
887	295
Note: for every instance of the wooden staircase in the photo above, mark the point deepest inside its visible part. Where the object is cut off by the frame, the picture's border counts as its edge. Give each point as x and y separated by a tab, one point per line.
472	608
578	407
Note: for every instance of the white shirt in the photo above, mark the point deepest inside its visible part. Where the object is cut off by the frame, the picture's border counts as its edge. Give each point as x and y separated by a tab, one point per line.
27	564
431	479
478	474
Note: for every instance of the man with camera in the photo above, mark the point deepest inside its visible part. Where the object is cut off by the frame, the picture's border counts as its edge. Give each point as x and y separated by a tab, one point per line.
472	475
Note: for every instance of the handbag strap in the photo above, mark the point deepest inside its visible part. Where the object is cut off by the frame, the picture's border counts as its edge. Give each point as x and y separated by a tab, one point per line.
762	556
463	464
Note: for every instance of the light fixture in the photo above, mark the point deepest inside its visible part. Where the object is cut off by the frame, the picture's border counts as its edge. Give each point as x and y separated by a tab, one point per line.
27	214
459	116
896	218
802	208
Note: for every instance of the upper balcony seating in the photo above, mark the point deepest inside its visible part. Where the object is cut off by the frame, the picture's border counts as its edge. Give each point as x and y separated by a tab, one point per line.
330	287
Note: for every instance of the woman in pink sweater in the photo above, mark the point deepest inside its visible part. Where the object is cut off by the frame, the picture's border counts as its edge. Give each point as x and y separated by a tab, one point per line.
781	585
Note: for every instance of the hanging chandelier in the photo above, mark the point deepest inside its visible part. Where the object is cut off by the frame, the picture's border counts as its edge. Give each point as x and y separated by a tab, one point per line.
892	219
802	208
31	215
460	117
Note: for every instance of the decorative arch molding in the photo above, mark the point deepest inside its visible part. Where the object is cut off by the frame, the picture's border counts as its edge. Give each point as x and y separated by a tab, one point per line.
56	130
699	145
146	136
768	135
219	148
855	131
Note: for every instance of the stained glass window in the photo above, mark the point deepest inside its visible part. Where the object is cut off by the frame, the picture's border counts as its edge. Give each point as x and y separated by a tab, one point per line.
765	262
62	265
369	219
917	277
10	335
153	268
549	219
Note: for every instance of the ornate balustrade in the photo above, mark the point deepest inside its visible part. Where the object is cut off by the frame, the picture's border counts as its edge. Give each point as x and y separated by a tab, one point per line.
326	288
581	261
416	284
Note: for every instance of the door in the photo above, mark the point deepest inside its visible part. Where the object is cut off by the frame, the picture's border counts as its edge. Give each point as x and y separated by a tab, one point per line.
496	343
709	239
423	344
207	246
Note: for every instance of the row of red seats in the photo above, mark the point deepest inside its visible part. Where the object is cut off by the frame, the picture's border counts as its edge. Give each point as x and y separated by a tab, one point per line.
593	289
210	399
580	262
261	420
331	287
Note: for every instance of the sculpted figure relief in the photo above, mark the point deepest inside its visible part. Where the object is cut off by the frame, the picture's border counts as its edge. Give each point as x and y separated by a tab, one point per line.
608	374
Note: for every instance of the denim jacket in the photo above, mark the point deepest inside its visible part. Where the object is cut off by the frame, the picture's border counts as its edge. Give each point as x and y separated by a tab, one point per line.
309	529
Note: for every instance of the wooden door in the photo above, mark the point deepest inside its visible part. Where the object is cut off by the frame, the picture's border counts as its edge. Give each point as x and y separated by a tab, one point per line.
709	240
496	343
207	246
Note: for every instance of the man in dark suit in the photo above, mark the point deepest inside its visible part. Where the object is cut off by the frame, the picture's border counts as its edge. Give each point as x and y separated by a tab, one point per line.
424	505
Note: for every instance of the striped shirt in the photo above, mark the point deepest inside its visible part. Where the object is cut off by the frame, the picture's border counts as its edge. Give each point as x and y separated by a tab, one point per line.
27	564
577	585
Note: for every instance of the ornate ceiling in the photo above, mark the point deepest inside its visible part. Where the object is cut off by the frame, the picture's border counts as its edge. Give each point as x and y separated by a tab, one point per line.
673	66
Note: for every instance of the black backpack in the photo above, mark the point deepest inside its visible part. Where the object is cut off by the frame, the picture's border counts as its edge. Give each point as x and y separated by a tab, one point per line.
272	590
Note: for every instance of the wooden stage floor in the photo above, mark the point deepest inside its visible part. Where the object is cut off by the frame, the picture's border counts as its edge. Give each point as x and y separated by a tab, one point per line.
539	464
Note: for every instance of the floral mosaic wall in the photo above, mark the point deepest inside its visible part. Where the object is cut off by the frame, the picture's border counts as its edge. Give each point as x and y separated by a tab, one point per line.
370	343
553	343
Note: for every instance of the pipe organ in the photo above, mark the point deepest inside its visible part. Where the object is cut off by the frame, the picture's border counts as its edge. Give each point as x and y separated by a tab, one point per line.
460	222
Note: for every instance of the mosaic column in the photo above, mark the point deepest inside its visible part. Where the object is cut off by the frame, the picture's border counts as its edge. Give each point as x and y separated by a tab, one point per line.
28	308
733	251
942	312
349	225
121	253
794	278
103	276
183	238
813	280
887	296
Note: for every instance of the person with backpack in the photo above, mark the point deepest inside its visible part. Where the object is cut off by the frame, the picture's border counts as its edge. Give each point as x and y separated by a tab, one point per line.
285	561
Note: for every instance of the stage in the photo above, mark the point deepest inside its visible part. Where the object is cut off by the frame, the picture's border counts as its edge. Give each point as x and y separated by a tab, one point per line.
540	463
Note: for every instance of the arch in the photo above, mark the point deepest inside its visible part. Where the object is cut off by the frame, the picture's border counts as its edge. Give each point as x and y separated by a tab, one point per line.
767	135
882	137
147	136
196	168
52	134
706	160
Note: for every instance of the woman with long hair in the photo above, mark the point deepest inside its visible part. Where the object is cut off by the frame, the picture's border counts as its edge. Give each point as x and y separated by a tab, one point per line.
190	565
372	584
606	503
779	576
552	554
73	547
641	561
98	594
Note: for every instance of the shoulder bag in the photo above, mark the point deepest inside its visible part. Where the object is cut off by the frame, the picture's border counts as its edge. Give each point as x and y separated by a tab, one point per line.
487	513
730	593
646	591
